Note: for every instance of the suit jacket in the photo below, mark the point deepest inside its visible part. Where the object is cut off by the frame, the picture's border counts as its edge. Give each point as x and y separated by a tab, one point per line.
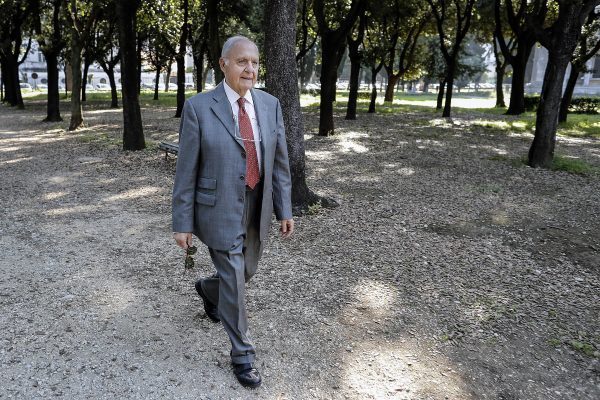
209	189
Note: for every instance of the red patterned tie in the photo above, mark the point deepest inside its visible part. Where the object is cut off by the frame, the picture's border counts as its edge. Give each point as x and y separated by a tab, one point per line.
252	173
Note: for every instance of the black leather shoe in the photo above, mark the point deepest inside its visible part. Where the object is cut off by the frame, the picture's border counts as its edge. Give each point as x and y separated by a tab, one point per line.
210	309
247	375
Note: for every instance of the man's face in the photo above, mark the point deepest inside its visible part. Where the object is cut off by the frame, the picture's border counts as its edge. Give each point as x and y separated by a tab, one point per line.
240	66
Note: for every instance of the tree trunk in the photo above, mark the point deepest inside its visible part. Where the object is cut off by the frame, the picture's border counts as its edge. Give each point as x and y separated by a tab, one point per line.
13	89
450	84
156	83
541	152
500	70
353	95
180	57
517	91
114	99
199	63
133	134
373	99
76	110
214	42
568	94
391	85
84	78
333	49
440	97
53	106
282	82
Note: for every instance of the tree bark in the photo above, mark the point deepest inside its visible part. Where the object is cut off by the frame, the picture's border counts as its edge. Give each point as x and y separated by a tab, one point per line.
53	107
568	94
441	92
517	91
214	41
282	82
76	109
391	86
114	99
449	90
560	39
500	70
133	133
356	57
180	58
156	84
84	78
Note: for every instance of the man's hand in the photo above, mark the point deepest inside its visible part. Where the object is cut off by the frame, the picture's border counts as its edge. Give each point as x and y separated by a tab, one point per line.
287	227
184	240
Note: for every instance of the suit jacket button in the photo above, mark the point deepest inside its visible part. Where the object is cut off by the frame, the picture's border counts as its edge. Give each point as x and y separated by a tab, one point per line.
242	177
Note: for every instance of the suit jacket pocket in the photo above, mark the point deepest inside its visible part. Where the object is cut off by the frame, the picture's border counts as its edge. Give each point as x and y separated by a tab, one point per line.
206	199
207	183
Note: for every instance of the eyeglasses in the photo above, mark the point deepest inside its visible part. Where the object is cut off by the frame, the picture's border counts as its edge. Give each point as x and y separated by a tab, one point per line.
238	136
189	261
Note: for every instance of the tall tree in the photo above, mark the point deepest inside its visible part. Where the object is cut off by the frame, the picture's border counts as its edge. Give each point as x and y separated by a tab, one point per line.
282	81
453	18
133	133
15	18
333	45
355	54
374	50
404	21
306	39
180	58
588	46
521	21
560	39
81	17
51	42
105	50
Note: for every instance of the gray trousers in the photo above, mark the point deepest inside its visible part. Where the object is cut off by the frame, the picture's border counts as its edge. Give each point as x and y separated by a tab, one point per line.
234	268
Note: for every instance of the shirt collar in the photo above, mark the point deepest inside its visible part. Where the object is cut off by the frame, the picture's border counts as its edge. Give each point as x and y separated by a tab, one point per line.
233	96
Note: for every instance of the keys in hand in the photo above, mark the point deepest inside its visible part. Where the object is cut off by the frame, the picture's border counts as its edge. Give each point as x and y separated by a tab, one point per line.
189	261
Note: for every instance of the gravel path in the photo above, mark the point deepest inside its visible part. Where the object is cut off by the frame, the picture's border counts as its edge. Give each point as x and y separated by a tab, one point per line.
448	271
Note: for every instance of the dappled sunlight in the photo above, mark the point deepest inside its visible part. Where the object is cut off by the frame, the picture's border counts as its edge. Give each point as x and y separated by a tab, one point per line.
502	124
16	160
397	369
61	179
55	212
114	297
318	155
347	144
10	148
406	171
104	111
467	102
134	193
375	297
54	195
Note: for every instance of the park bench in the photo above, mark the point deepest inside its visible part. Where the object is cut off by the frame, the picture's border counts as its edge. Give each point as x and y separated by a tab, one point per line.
169	148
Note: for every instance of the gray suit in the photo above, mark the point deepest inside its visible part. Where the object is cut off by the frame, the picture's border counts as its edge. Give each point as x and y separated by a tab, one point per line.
210	198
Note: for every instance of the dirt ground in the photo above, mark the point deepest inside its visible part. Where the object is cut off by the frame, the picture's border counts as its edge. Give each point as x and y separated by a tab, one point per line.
448	271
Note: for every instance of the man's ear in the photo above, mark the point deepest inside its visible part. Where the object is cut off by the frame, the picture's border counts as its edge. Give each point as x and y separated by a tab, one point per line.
222	64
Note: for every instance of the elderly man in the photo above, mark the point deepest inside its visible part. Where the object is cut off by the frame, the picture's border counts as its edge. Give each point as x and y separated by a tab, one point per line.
232	172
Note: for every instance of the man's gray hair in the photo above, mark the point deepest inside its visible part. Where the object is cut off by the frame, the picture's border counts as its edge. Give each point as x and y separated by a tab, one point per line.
232	41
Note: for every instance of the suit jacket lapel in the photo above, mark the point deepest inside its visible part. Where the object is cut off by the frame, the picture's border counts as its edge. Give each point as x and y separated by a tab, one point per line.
263	123
222	110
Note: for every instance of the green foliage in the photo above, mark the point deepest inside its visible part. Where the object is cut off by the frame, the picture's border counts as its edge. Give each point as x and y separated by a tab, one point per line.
585	105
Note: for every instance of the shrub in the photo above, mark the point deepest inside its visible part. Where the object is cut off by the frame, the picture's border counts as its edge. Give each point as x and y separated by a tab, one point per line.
585	105
531	103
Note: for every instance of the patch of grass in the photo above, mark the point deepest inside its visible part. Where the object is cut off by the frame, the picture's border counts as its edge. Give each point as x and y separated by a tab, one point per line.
554	342
572	165
583	347
314	209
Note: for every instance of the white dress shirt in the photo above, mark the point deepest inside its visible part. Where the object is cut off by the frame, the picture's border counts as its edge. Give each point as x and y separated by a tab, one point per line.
233	97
